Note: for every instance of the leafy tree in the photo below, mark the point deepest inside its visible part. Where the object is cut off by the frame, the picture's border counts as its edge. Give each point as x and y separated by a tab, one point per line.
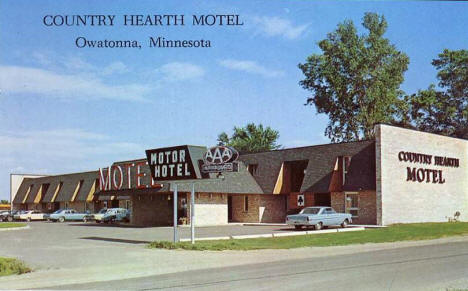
4	202
251	138
356	79
443	110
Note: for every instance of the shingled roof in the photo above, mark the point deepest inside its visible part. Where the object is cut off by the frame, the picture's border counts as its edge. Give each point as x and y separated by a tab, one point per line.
70	181
23	189
322	159
235	182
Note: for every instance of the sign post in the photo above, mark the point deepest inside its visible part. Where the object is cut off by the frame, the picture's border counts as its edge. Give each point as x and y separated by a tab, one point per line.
175	163
192	214
175	213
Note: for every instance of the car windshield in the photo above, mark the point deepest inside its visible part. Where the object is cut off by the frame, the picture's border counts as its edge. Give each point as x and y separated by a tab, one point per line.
58	211
310	211
104	210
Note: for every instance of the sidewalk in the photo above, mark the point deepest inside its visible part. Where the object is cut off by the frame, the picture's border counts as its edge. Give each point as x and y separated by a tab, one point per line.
146	262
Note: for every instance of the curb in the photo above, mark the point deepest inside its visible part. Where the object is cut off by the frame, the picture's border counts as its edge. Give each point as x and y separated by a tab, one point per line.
271	235
15	228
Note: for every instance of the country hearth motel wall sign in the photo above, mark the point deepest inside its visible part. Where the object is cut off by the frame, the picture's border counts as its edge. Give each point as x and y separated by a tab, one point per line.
415	174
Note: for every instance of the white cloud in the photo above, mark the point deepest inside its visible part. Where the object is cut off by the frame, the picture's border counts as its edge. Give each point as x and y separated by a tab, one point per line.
276	26
59	151
62	144
76	64
250	67
181	71
27	80
115	68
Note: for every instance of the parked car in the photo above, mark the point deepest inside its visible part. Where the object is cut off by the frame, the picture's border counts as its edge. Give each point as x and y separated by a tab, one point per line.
318	217
9	216
62	215
6	216
96	216
116	214
29	215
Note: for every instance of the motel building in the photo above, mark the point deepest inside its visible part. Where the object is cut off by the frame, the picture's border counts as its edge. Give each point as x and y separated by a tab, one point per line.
401	176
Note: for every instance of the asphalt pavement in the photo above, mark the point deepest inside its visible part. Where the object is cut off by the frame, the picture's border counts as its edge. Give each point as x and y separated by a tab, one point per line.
430	267
54	245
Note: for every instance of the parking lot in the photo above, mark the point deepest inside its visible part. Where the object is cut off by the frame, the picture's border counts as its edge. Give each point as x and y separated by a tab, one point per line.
50	245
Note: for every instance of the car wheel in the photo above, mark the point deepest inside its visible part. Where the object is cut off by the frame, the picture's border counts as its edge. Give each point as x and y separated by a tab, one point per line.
85	220
345	223
10	219
61	219
318	226
28	219
298	227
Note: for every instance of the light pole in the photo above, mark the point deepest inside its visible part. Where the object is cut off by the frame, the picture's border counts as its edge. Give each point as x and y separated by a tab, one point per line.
175	213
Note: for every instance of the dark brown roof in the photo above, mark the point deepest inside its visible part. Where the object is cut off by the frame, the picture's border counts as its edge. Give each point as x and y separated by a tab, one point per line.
53	183
33	193
70	181
23	189
322	159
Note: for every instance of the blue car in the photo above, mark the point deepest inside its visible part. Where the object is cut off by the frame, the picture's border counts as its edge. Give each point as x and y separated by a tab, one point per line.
318	217
116	214
62	215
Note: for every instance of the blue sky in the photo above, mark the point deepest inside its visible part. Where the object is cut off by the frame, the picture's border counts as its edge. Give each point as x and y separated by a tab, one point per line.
65	109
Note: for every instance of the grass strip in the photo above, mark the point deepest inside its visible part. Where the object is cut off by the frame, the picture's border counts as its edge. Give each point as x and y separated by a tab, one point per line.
393	233
11	224
9	266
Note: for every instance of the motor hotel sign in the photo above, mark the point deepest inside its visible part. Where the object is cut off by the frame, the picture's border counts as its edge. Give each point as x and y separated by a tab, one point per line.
172	163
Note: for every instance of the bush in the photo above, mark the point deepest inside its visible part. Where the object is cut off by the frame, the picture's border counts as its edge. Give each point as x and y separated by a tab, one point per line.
9	266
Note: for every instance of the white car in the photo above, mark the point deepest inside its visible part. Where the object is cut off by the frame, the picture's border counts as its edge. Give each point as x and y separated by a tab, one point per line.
30	215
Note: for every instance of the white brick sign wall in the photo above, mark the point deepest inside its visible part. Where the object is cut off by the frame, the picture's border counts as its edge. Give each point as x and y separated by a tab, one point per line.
421	177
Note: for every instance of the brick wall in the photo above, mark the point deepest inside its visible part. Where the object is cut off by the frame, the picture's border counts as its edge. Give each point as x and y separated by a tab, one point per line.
337	201
367	213
367	208
403	201
238	212
272	208
151	210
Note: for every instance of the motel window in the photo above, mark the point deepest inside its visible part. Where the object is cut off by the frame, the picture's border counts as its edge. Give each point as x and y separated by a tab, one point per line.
253	169
346	163
246	203
352	204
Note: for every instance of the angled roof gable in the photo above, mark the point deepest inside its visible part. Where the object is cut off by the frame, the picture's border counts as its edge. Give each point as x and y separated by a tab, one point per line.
322	159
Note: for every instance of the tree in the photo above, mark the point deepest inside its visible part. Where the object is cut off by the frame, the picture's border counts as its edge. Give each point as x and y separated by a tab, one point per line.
251	138
443	110
356	79
4	202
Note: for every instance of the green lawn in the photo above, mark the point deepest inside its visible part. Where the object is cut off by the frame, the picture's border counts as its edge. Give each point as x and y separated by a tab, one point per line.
10	266
398	232
11	224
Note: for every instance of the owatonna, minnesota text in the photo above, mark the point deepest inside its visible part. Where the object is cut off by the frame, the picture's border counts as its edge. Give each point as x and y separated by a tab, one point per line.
161	42
154	42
